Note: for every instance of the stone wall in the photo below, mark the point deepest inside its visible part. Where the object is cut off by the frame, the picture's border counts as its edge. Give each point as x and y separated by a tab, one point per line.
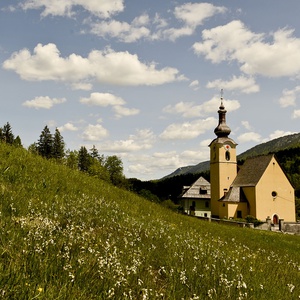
289	227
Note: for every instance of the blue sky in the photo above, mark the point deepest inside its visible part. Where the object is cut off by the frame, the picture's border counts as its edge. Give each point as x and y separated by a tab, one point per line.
141	78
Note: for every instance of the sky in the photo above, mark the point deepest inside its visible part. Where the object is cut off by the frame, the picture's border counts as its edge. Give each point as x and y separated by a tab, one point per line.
141	79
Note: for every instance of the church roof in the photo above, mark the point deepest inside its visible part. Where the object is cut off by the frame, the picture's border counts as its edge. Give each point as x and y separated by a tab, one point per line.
252	170
222	130
194	191
235	194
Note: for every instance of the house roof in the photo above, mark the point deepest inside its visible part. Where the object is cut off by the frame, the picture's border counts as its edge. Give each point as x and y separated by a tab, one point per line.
252	170
194	190
235	194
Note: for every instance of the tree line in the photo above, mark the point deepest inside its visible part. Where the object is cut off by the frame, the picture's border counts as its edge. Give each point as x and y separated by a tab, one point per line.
52	146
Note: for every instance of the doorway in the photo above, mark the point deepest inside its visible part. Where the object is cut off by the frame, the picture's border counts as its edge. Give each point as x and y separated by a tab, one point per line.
275	219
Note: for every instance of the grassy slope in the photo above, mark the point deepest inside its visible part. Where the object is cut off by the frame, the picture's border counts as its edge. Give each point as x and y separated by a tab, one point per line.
65	235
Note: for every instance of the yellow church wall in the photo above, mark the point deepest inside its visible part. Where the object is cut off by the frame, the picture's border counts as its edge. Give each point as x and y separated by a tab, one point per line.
250	195
230	210
282	202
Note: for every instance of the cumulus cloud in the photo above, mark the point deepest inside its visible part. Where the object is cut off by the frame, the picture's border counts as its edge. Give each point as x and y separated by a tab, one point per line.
243	84
124	31
289	97
121	111
194	85
249	137
188	130
296	114
279	133
107	99
110	67
94	133
247	125
100	8
272	55
67	127
190	110
142	140
164	162
43	102
191	15
142	27
102	99
194	14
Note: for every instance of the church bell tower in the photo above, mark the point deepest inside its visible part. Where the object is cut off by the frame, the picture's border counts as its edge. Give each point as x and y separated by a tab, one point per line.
223	164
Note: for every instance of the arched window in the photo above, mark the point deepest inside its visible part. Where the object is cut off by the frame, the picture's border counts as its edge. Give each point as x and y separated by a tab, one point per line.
227	155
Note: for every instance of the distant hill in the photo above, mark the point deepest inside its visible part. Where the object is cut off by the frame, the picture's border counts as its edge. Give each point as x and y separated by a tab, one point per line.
278	144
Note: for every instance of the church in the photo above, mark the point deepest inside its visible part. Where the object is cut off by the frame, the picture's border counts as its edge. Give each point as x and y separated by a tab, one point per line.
260	188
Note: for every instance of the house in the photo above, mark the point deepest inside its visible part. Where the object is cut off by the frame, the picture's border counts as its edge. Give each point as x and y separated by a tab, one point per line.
260	189
195	199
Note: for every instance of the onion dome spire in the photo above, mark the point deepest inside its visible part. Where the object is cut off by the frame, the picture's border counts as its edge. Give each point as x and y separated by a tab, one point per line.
222	130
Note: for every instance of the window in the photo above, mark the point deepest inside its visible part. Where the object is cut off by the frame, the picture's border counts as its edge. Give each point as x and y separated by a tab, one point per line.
239	214
203	191
274	194
206	204
227	155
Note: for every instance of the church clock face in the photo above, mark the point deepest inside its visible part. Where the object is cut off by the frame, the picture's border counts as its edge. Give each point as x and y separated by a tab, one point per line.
227	147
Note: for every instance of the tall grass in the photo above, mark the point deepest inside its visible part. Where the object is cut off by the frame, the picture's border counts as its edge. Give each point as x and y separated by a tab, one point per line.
64	235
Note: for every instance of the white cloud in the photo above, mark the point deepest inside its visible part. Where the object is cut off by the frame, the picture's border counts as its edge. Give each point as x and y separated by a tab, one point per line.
117	68
173	34
102	99
188	130
67	127
279	133
94	133
247	125
107	99
164	162
296	114
194	14
190	110
194	85
234	42
142	140
249	137
124	31
82	86
43	102
122	111
100	8
288	97
243	84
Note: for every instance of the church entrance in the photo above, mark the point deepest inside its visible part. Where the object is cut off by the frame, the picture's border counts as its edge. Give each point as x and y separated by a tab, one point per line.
275	219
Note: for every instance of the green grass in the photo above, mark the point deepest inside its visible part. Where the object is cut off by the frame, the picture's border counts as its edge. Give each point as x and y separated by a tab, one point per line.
65	235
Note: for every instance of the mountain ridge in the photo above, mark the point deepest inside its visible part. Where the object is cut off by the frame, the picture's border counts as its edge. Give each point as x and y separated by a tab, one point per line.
281	143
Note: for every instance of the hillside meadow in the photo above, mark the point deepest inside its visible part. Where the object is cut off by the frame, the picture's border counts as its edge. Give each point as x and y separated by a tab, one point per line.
67	235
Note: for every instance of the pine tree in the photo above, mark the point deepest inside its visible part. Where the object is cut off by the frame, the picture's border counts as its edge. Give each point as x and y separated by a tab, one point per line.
94	152
58	148
84	159
17	142
7	134
45	143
